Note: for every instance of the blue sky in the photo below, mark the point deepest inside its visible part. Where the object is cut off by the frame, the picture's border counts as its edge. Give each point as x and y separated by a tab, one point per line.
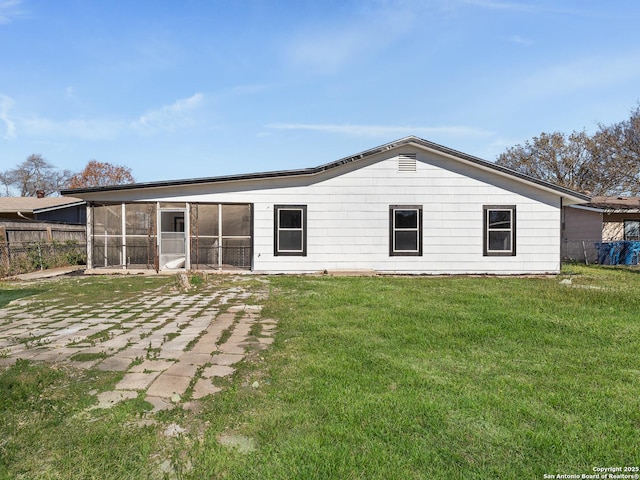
199	88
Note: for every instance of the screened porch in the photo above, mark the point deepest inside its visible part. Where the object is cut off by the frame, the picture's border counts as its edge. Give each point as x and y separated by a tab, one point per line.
170	236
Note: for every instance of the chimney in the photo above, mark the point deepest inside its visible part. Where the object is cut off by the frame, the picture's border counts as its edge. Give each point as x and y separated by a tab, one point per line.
40	193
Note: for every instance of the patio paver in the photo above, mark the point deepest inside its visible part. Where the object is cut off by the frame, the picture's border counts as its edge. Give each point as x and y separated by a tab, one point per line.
146	338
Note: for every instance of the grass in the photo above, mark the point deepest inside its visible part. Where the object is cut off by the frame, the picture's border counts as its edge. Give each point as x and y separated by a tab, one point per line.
372	377
446	378
10	292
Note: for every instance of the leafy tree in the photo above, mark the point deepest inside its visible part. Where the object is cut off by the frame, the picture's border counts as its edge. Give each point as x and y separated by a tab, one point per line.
101	174
33	175
606	163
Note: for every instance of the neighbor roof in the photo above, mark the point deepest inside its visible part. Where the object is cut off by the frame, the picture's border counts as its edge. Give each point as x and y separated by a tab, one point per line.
411	140
34	204
613	205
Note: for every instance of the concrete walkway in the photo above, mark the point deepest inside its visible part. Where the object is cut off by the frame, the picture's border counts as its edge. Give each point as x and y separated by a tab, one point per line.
172	347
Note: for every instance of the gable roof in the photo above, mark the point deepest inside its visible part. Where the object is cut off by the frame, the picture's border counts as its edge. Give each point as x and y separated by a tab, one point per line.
411	140
35	204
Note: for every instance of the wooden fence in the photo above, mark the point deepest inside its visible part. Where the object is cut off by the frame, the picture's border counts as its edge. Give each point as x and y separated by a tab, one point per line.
30	246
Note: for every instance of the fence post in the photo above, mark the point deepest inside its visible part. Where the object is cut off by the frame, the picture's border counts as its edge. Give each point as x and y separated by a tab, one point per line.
40	255
4	250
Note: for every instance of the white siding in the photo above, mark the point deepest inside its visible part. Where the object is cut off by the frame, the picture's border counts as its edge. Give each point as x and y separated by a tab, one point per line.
348	216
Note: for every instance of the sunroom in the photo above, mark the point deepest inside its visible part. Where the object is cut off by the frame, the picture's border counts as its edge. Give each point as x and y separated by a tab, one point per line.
169	236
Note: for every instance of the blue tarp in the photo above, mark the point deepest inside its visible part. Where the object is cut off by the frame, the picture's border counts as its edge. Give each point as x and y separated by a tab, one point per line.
618	253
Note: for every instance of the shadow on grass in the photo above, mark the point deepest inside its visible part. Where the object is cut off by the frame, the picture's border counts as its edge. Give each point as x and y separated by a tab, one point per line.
8	295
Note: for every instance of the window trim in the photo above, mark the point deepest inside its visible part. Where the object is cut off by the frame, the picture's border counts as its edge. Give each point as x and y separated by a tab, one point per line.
392	231
276	231
486	230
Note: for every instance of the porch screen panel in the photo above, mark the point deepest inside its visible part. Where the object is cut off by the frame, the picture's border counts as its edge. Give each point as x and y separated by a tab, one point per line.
236	220
205	231
237	252
220	235
107	235
236	235
107	252
107	219
141	235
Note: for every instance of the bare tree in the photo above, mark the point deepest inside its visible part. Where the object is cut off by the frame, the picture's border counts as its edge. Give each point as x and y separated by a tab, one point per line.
616	154
34	175
5	182
101	174
607	163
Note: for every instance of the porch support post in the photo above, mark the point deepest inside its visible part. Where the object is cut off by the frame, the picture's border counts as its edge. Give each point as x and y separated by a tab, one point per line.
89	236
187	237
124	236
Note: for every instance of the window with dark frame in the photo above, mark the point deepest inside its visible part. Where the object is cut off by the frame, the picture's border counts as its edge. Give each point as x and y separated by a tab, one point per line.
632	230
499	230
405	230
290	230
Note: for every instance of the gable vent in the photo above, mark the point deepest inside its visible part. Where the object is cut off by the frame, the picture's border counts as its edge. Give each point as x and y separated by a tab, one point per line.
407	162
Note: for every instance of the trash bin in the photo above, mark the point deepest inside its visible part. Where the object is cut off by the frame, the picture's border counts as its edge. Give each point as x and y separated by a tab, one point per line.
631	253
616	252
603	253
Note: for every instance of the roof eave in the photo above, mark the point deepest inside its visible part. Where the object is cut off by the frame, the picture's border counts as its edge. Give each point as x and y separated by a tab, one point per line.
570	195
59	207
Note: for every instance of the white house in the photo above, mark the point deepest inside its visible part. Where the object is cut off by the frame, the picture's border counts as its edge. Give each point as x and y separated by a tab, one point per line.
409	206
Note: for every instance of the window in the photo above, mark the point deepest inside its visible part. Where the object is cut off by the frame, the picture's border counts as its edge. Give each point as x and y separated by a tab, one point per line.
405	230
632	230
499	230
290	227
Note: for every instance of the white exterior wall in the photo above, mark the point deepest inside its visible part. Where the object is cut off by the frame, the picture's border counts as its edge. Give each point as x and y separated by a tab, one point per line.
348	216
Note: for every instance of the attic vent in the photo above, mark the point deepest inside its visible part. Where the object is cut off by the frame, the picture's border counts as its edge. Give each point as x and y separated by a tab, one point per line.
407	162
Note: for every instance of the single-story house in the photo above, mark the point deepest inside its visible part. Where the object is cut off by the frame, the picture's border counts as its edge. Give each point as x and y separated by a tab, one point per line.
409	207
43	220
602	220
45	209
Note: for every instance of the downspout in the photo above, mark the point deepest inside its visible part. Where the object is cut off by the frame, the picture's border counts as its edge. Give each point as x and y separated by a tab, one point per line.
562	240
26	218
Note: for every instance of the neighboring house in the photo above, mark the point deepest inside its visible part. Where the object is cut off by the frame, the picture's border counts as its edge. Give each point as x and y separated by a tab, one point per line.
409	206
45	209
604	219
24	220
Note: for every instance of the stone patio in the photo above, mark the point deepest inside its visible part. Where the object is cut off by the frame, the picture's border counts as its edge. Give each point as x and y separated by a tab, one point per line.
172	348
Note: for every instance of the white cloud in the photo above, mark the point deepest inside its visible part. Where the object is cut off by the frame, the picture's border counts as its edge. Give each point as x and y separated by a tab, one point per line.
9	9
170	117
517	39
248	89
10	127
538	7
496	5
166	118
385	130
328	48
37	126
75	128
581	74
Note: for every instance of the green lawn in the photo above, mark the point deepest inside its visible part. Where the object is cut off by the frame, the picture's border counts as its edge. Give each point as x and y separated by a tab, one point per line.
375	377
